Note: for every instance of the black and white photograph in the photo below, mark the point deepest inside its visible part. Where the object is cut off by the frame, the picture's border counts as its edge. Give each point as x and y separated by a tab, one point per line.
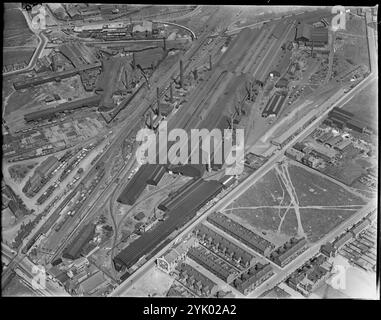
213	152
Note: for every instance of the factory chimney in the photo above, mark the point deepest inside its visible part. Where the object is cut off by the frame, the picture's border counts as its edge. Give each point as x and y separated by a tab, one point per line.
181	74
195	75
171	92
210	62
133	60
158	101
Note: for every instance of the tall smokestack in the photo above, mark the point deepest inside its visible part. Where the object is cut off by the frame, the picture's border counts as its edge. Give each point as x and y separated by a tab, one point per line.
158	101
133	60
126	78
181	74
210	62
195	75
171	92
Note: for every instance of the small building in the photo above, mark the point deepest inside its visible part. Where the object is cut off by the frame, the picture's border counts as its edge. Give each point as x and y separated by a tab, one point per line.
328	249
168	262
294	154
139	216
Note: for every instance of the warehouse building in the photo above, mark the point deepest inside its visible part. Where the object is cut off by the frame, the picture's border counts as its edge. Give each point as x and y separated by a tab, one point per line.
188	170
310	36
253	277
137	184
284	254
225	248
172	200
47	166
53	76
274	105
180	213
156	175
74	250
63	107
239	232
196	281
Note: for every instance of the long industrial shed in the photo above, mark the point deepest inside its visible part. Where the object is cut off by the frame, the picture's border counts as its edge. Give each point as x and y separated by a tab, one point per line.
184	210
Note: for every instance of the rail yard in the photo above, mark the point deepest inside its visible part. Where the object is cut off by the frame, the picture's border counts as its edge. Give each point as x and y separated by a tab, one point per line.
78	202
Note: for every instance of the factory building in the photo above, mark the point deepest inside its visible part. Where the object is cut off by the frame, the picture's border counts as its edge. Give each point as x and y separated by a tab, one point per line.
75	248
156	175
196	281
185	209
227	249
274	105
188	170
310	36
137	184
47	167
53	76
239	232
284	254
89	102
253	277
171	201
207	260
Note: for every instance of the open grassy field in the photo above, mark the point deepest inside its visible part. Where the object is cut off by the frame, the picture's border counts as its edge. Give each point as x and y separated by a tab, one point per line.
268	209
16	31
17	288
364	105
315	190
317	223
19	55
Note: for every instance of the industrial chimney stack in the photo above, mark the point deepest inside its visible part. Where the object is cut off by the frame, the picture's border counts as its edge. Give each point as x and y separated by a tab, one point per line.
181	74
158	101
171	92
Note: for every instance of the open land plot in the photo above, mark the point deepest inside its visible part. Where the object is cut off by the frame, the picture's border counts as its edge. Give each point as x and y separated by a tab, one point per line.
314	190
317	223
17	288
16	31
17	56
19	171
153	283
349	168
364	105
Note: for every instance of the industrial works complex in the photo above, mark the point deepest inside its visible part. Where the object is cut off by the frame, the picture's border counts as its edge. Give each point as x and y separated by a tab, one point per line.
114	217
